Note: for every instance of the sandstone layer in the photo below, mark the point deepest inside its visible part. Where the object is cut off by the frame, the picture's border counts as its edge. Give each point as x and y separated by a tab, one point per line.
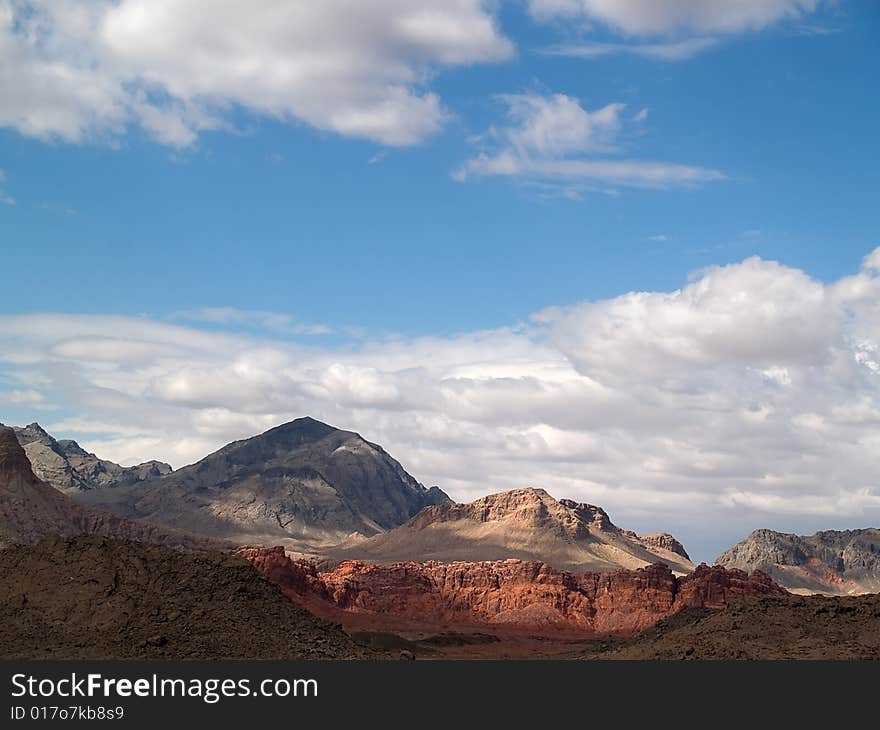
510	594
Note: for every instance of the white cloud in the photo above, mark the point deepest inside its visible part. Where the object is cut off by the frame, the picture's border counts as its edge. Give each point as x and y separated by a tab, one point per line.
642	17
750	397
666	51
274	321
549	137
89	69
666	30
5	198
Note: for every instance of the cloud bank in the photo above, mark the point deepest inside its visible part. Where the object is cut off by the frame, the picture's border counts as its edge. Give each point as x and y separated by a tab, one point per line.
750	396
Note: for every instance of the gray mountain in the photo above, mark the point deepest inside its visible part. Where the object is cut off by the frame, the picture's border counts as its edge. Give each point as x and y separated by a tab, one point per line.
830	562
68	467
303	484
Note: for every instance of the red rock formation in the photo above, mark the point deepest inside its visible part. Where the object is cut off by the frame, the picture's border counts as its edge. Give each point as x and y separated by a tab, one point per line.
510	593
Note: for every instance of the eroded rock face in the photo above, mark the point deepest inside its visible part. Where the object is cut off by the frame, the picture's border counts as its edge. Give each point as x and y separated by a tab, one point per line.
830	562
513	593
665	541
68	467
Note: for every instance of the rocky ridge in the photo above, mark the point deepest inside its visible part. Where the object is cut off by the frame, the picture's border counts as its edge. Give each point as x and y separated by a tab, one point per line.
831	562
68	467
30	509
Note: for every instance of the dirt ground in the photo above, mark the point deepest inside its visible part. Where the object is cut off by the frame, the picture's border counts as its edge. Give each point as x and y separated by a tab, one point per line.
767	627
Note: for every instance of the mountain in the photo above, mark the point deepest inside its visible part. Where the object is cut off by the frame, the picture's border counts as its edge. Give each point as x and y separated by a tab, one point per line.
67	466
500	595
30	509
303	484
830	562
527	524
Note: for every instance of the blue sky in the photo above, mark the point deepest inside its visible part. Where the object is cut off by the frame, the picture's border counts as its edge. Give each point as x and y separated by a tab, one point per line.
455	193
286	218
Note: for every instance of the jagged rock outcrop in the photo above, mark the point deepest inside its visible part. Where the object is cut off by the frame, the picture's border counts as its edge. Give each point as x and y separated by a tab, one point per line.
68	467
831	562
527	524
516	594
30	509
664	541
304	484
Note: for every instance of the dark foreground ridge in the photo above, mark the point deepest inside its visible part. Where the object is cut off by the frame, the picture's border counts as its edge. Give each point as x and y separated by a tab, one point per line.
764	627
95	598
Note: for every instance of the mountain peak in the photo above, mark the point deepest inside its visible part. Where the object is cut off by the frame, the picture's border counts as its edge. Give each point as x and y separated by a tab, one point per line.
524	524
304	483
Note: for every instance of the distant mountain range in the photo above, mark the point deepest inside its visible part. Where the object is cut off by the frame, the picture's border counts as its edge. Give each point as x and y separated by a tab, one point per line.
305	485
329	494
831	562
527	524
67	466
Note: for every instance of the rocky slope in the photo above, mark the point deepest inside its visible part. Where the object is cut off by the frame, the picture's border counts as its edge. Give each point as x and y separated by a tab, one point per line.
510	594
30	509
67	466
763	627
303	484
527	524
93	598
830	562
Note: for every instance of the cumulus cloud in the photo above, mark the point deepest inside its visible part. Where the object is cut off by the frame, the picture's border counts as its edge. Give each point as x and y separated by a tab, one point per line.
553	140
749	397
90	69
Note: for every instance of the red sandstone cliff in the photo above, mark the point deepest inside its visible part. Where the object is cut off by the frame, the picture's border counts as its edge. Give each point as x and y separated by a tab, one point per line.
511	593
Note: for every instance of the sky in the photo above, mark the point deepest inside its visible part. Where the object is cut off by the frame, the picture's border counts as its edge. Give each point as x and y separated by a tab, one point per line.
627	251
